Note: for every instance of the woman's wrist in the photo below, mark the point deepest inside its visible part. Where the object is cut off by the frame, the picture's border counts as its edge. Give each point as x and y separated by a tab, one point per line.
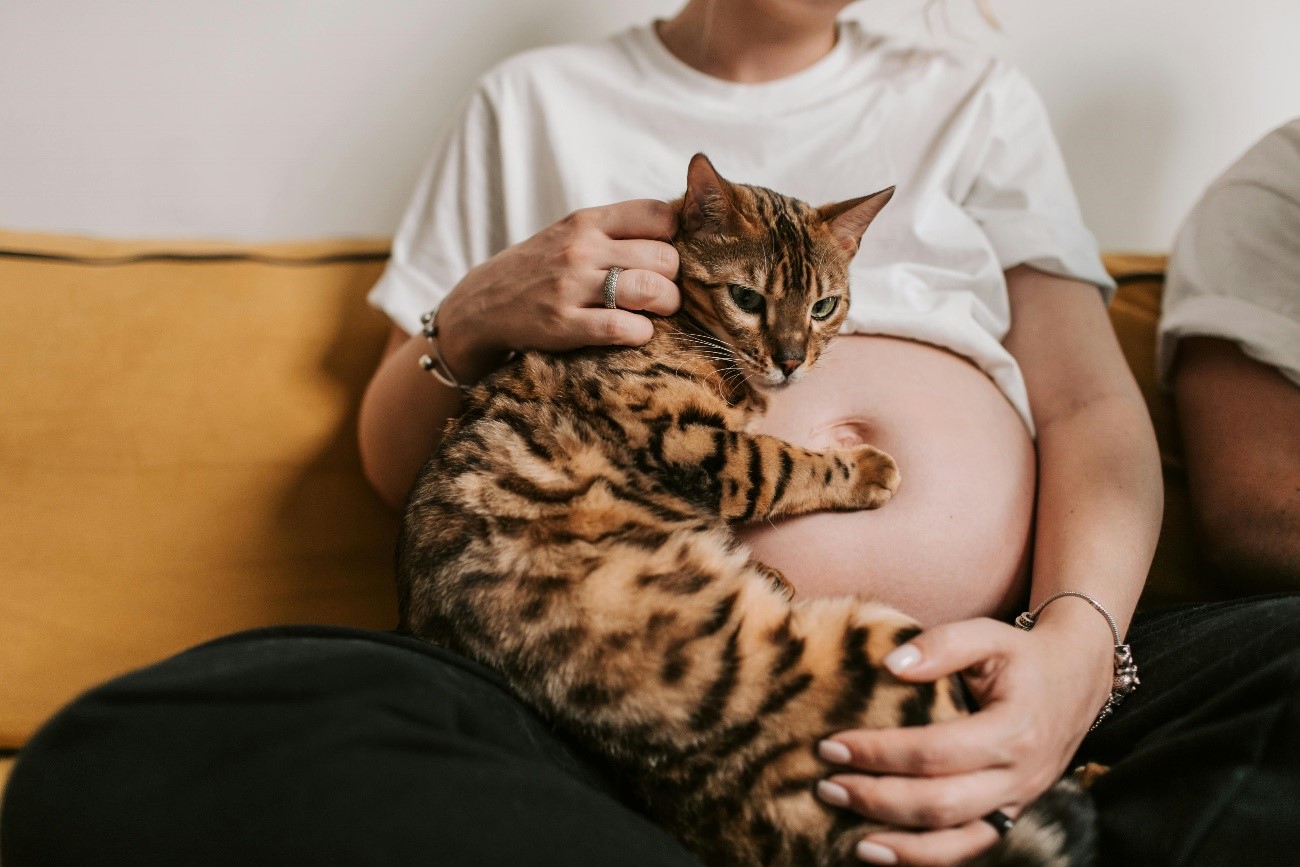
469	352
1070	616
1071	628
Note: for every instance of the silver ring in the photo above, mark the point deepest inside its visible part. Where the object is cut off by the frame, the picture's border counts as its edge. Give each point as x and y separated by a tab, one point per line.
611	288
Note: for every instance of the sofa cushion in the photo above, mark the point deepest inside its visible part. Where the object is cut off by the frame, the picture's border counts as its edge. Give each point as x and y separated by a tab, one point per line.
178	454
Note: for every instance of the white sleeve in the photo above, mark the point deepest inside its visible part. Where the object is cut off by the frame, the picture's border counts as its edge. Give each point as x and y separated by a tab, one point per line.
454	221
1021	194
1235	274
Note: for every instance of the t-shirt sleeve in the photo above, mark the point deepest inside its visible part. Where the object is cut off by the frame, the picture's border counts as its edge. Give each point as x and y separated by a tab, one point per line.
1235	273
454	221
1021	193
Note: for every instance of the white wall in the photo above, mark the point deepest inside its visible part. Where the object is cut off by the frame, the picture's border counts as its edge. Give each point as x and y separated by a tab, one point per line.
270	119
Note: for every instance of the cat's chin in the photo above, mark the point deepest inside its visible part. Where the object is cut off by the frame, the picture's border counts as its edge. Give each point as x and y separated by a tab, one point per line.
776	381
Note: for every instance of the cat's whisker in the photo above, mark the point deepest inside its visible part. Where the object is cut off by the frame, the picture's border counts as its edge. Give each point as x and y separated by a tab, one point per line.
718	347
714	359
715	362
736	371
720	371
711	353
706	338
708	347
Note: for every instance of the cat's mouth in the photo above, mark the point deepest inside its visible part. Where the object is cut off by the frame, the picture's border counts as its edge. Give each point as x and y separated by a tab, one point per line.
774	378
764	373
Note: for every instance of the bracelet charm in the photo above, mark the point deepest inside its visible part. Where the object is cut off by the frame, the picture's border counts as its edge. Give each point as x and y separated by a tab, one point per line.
1125	681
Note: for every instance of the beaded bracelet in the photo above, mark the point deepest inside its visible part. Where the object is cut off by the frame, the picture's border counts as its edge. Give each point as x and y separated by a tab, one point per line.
1126	673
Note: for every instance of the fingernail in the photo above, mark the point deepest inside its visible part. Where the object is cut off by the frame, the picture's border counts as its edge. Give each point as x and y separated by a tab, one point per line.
874	853
833	751
833	793
901	659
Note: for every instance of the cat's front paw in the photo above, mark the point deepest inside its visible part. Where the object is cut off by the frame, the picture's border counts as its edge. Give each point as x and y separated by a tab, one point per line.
875	477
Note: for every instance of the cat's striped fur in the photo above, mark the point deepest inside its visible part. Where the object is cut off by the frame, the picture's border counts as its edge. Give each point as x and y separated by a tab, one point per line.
570	531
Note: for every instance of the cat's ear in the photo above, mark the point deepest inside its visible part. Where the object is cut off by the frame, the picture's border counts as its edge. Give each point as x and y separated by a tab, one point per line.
848	220
708	202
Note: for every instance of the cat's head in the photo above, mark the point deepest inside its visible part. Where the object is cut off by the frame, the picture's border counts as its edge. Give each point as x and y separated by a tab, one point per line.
767	273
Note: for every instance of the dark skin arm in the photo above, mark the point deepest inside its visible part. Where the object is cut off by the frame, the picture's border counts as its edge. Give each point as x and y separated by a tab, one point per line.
1240	423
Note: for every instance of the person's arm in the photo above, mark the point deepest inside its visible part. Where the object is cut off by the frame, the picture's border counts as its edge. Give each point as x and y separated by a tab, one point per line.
1100	494
402	414
543	293
1240	422
1098	516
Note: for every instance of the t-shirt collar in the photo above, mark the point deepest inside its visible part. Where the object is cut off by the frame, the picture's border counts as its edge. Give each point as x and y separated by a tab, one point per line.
768	98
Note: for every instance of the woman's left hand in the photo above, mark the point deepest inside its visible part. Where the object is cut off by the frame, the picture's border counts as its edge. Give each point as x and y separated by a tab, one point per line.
1037	694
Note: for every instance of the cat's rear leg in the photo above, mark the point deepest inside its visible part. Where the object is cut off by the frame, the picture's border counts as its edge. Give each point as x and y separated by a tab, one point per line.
836	647
844	650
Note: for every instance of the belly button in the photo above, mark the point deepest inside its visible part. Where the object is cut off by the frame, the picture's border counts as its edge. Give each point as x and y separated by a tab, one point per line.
844	433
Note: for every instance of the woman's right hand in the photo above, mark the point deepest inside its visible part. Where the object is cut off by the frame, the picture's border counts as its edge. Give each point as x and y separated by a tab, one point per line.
548	292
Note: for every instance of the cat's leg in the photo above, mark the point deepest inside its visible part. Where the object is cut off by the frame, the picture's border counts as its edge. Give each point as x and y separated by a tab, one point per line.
836	646
750	477
814	669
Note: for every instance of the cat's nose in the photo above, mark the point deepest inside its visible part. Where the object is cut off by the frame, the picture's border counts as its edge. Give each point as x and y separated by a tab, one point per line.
788	363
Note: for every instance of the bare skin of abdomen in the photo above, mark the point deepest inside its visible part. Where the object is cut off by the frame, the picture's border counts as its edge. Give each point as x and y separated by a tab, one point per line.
954	542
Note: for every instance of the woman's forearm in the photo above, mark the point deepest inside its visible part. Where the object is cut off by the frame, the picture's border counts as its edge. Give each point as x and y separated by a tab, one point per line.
402	414
1099	507
405	410
1100	494
1100	499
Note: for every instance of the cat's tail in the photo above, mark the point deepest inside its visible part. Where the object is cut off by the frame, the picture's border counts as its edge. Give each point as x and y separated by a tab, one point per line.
1057	830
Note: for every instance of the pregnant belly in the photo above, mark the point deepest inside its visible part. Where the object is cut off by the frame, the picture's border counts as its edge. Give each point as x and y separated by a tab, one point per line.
954	542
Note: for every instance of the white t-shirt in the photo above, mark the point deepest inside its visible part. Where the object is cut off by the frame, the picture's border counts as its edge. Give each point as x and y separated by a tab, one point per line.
1235	269
981	183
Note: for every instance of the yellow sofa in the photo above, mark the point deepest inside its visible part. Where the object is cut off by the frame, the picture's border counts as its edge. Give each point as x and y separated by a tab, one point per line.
177	455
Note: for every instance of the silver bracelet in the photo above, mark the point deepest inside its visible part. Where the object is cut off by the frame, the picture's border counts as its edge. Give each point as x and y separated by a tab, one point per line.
1126	673
433	363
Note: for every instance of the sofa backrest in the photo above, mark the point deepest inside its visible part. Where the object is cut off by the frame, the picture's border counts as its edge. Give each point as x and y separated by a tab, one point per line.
178	459
177	454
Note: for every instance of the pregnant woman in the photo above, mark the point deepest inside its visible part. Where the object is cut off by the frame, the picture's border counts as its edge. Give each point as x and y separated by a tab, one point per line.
977	352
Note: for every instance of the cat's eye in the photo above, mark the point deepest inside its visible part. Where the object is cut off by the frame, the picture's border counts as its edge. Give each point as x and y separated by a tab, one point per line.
825	307
746	299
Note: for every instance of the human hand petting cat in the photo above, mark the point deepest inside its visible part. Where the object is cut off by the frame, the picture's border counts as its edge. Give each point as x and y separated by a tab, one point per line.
548	292
1037	692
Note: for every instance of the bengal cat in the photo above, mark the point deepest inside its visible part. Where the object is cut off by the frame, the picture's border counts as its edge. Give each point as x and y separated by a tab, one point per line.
570	531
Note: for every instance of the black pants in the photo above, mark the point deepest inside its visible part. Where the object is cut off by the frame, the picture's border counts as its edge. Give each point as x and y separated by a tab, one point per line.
317	745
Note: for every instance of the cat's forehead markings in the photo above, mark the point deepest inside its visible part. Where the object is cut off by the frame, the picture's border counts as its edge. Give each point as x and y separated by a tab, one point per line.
792	235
